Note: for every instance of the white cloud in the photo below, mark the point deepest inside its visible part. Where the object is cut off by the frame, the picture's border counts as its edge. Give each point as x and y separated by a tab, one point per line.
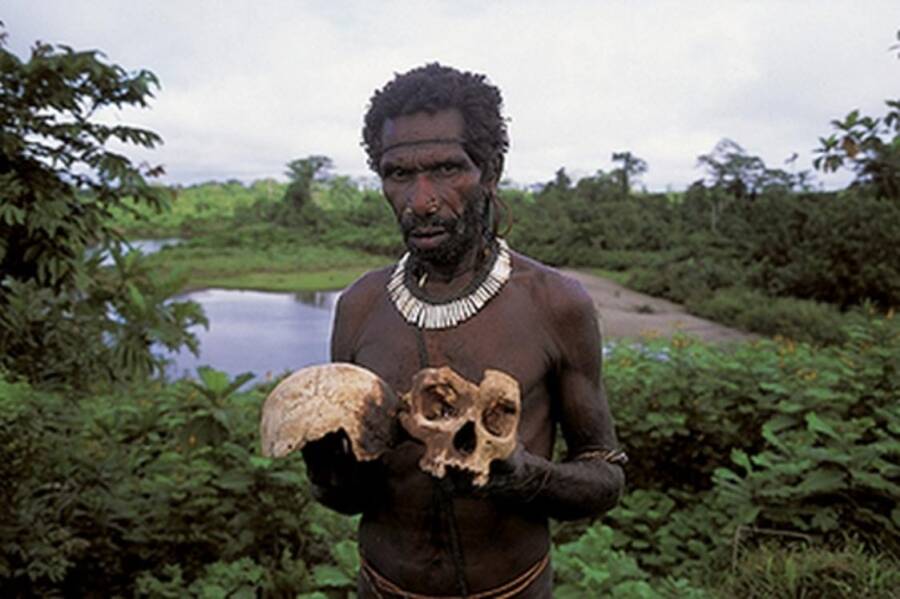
247	86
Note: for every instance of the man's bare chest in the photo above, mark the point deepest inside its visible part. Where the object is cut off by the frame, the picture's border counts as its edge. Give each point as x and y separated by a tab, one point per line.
505	336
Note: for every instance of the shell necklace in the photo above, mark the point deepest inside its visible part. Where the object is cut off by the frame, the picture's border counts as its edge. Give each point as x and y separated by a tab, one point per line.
418	311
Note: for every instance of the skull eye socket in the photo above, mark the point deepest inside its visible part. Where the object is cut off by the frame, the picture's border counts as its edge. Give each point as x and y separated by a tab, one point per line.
437	402
464	440
500	418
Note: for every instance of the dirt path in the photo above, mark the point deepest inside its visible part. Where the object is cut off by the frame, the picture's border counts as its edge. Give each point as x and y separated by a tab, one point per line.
627	313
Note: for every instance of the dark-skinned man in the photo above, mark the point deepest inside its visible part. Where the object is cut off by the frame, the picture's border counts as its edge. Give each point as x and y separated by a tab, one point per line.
437	139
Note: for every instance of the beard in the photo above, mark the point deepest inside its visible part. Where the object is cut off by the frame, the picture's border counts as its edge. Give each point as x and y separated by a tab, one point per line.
463	231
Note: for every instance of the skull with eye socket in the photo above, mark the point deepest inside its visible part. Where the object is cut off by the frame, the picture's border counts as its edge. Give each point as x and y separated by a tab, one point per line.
463	425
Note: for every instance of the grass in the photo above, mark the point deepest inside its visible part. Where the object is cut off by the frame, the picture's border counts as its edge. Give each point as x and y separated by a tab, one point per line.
616	276
325	280
278	267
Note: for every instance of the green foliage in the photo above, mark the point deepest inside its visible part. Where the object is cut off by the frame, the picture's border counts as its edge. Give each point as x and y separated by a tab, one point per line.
831	459
301	173
869	146
201	209
59	179
752	310
100	331
584	229
779	436
840	249
591	567
64	320
632	168
740	175
157	491
262	256
774	571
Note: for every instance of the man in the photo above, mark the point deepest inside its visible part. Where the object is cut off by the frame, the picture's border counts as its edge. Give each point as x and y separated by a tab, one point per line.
462	299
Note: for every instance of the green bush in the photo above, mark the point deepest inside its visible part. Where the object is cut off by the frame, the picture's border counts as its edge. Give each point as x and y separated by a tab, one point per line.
831	460
158	489
775	571
753	310
155	489
591	567
841	249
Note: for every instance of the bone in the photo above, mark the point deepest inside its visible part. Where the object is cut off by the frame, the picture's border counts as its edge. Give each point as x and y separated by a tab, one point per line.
317	400
481	426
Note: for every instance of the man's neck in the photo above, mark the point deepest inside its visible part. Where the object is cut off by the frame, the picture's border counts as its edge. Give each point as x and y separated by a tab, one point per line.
440	280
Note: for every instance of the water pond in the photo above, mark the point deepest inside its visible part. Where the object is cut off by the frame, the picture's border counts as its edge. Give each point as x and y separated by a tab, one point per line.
263	333
267	334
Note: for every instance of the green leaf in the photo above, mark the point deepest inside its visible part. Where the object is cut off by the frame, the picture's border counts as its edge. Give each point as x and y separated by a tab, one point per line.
327	575
822	481
137	299
817	425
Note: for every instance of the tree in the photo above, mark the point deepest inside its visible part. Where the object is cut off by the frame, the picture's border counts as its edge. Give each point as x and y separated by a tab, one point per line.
735	175
63	317
302	173
868	146
730	168
632	167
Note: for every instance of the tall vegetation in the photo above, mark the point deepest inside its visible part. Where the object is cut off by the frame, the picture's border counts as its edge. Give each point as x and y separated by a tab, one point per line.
766	469
773	450
63	319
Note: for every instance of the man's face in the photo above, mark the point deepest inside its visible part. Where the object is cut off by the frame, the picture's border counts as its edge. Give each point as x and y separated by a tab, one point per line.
432	184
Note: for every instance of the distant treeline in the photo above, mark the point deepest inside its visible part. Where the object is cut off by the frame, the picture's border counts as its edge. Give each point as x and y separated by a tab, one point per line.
750	246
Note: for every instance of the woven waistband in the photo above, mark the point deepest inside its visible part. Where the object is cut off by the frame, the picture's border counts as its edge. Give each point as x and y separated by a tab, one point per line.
379	584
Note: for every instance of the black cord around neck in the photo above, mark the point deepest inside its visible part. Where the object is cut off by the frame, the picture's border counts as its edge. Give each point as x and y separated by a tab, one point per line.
443	495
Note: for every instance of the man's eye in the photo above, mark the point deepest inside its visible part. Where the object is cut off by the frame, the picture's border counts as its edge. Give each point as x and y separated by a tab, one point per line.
448	170
399	174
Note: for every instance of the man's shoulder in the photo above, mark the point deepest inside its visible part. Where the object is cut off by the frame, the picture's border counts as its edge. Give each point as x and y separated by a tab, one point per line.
354	307
555	292
567	310
366	289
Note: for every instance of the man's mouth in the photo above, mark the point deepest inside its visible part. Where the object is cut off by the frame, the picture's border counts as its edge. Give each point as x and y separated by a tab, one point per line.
428	237
427	232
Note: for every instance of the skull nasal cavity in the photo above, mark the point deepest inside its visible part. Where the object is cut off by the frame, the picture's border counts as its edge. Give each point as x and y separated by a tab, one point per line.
464	441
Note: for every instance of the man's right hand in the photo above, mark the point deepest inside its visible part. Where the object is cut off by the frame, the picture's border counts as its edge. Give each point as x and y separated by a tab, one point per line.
329	460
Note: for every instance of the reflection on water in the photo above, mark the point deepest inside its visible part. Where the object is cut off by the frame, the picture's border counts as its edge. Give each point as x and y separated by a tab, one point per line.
263	333
145	246
316	299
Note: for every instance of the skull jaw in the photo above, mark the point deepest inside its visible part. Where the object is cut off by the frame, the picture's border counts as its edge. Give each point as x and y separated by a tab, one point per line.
463	425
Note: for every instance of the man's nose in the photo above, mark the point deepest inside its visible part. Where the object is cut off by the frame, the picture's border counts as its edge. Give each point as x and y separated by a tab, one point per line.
422	198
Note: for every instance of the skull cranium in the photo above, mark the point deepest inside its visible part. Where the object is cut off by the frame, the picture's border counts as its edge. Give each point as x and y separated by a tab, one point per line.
463	425
318	400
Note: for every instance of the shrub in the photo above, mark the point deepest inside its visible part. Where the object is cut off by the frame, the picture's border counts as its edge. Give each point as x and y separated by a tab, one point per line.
840	249
831	460
752	310
781	435
591	567
155	489
775	571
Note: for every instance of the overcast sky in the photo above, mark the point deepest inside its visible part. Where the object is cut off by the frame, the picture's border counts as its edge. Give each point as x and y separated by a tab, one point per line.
249	86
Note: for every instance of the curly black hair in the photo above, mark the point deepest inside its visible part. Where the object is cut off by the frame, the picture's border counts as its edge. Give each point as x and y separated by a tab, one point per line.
435	87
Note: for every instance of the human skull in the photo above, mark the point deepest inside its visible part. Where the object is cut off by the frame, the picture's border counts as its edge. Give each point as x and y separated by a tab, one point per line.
318	400
463	425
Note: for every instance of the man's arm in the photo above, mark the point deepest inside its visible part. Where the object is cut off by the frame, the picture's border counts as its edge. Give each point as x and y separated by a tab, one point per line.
338	480
585	484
